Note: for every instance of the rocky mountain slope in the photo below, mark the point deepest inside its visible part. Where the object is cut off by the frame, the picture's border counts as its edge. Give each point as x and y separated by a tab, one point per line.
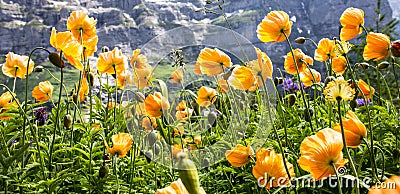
129	24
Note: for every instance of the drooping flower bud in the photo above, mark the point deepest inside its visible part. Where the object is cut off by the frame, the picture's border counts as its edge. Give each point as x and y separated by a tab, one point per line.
152	138
139	97
56	60
395	48
38	68
188	173
363	65
278	80
105	49
383	65
67	121
103	171
91	79
292	99
300	40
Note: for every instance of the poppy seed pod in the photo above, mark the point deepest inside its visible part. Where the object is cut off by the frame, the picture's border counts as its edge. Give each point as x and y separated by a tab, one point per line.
103	171
56	60
188	173
38	68
383	65
152	137
395	48
139	97
300	40
67	121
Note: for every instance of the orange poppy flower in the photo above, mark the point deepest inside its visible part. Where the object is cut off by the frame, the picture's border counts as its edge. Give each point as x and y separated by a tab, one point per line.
90	46
325	50
124	79
177	187
138	60
241	78
79	21
122	143
6	102
270	170
213	61
339	65
206	96
352	20
273	25
302	61
197	68
262	67
111	62
156	104
320	151
310	76
197	139
182	111
16	66
239	155
222	86
43	91
142	76
149	123
338	89
390	186
366	89
74	61
354	130
179	130
378	46
177	76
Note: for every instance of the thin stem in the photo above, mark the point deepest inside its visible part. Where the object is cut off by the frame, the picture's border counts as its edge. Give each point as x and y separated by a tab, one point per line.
346	151
116	97
338	178
298	79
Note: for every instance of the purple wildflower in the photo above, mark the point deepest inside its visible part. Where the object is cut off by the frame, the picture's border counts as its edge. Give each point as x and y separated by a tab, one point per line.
289	85
361	102
31	141
41	116
14	142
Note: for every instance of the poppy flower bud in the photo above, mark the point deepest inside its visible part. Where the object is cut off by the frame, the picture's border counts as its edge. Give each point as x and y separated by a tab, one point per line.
328	79
157	149
212	118
67	121
103	171
90	79
149	155
38	68
353	104
152	137
395	48
227	75
106	157
383	65
278	80
300	40
188	173
139	97
363	65
56	60
292	99
206	162
105	49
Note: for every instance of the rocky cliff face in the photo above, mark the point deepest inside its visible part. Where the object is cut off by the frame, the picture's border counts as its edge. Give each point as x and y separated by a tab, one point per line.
129	24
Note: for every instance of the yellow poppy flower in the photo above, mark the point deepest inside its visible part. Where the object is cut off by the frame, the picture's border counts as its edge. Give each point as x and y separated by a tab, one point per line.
366	89
16	66
90	46
156	104
222	86
43	91
177	187
124	79
339	65
138	60
262	67
65	42
239	155
213	61
273	25
270	170
177	76
352	20
122	143
241	78
79	21
354	130
302	61
325	50
320	152
182	111
338	89
206	96
142	76
310	76
197	68
111	62
390	186
84	91
7	101
378	46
